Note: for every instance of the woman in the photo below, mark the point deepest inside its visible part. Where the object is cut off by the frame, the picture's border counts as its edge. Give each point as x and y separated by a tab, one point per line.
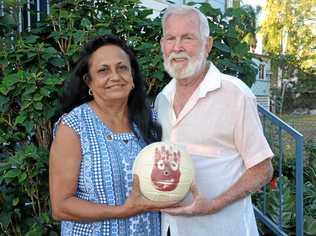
107	123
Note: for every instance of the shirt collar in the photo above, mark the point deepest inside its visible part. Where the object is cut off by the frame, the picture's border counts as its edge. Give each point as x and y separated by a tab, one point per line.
211	82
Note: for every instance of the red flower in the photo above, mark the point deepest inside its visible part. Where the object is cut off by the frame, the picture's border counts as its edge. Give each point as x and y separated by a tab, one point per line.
274	183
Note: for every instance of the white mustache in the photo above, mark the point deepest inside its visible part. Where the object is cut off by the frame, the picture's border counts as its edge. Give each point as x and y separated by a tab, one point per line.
179	55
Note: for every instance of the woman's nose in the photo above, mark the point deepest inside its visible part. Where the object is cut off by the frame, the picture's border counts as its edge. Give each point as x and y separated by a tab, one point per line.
115	76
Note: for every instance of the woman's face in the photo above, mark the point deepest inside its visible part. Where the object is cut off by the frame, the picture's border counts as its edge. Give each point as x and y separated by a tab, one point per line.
110	74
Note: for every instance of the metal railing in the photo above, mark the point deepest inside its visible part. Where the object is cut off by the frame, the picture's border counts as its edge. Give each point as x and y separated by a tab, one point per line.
283	139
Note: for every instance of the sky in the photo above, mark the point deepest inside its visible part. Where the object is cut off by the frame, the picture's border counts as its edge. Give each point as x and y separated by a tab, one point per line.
254	4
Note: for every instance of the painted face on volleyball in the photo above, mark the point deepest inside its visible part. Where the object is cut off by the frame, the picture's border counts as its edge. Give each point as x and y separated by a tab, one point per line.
166	173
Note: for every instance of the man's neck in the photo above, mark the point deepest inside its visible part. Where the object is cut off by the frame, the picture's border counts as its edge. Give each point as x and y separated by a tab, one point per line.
185	88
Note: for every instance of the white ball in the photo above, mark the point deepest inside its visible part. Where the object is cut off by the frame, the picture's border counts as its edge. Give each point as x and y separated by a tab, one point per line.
165	171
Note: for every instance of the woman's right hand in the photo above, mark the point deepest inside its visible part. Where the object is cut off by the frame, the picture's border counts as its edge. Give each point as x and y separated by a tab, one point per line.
136	203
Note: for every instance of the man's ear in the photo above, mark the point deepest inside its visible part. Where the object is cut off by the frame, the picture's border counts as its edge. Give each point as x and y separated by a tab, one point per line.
161	43
209	44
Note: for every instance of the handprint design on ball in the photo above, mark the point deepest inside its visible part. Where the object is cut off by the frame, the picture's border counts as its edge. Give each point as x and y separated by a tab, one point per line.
166	173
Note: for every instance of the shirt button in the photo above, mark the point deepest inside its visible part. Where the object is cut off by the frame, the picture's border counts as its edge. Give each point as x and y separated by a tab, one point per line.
109	137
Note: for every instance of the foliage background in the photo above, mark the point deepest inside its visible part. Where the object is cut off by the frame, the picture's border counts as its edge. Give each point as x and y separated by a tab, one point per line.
289	37
35	64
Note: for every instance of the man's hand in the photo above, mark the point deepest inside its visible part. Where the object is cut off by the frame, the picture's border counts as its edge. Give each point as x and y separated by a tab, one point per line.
252	180
199	205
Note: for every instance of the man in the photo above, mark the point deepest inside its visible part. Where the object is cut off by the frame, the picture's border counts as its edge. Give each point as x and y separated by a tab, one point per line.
214	116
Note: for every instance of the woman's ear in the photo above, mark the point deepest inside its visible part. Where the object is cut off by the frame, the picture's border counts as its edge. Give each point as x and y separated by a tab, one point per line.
86	79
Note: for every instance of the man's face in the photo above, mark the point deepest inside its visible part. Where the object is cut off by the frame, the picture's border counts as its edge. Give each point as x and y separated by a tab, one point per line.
184	51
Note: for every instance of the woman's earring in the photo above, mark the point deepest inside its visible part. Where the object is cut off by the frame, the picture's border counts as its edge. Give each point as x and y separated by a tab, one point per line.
90	92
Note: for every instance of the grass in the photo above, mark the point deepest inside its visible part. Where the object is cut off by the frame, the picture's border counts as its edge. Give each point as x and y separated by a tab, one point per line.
305	124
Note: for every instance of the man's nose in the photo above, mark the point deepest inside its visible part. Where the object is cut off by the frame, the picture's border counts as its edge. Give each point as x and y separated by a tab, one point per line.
178	47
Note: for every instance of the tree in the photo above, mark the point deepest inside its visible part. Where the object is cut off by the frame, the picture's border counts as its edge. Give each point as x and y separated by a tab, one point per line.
290	29
289	37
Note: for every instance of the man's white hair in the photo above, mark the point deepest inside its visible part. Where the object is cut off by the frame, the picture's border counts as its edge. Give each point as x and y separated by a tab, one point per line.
186	10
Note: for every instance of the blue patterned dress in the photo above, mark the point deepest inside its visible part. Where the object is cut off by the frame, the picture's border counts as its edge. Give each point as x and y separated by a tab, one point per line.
106	176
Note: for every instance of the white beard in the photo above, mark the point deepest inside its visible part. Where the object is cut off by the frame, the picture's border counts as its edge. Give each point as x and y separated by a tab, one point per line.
194	65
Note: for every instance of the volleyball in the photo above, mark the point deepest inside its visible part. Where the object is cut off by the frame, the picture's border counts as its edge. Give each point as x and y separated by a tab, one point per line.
165	171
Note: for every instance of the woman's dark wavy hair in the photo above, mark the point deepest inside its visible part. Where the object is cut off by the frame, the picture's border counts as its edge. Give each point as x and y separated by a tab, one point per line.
139	112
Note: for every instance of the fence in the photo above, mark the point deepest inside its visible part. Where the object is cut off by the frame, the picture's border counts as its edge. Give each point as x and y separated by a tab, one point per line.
283	140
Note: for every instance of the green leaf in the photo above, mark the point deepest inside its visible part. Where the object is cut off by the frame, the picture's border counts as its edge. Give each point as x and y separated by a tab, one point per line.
29	126
103	31
38	106
12	173
4	103
38	97
101	25
241	49
45	92
51	51
7	21
58	62
10	80
31	54
22	177
309	225
52	81
29	90
45	217
15	201
31	38
222	46
55	35
85	23
20	119
5	218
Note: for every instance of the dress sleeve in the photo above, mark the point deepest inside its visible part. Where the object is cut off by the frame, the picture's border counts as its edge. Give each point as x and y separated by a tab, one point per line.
69	119
248	134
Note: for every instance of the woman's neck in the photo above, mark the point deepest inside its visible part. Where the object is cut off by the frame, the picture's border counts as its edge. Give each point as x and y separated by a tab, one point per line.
113	114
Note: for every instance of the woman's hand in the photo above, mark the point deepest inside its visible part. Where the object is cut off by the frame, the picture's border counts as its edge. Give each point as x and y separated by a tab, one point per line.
136	203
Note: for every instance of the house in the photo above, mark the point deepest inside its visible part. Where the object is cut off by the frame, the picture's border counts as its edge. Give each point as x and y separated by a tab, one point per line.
159	5
261	86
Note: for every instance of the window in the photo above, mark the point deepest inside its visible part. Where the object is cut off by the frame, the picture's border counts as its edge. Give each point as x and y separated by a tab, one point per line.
261	71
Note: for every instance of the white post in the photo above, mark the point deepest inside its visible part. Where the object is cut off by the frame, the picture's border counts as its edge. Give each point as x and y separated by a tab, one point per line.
28	10
38	11
48	8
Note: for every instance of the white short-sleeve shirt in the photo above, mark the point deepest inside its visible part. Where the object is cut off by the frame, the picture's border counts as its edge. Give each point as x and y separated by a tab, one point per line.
220	127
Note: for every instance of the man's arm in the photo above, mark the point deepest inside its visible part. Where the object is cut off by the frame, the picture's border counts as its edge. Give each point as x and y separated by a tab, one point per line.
251	181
